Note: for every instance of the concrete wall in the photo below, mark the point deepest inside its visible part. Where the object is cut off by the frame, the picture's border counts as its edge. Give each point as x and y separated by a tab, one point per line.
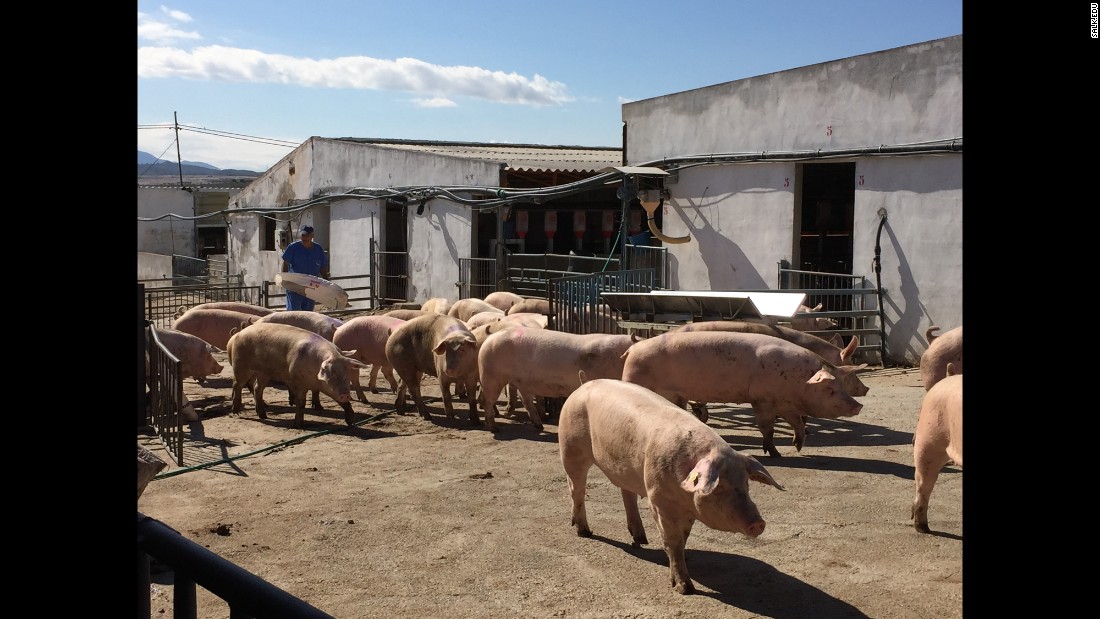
899	96
154	266
742	217
166	236
344	226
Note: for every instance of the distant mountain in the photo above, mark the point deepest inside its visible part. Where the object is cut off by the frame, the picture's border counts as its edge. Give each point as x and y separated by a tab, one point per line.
147	167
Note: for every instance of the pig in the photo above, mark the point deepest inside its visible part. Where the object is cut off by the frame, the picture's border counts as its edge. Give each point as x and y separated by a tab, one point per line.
213	325
530	319
316	322
463	309
829	351
440	346
543	363
237	306
484	331
502	299
407	314
802	321
648	447
367	335
779	379
322	325
942	349
196	355
303	360
483	318
937	441
438	305
537	306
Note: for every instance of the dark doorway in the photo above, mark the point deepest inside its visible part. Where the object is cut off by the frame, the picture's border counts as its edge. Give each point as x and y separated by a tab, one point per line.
828	198
396	234
212	241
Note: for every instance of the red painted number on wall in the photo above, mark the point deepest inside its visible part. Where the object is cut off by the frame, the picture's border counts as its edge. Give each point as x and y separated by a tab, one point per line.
787	182
861	179
829	130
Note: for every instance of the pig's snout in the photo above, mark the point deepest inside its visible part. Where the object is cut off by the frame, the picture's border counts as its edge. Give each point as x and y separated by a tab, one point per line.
343	398
756	528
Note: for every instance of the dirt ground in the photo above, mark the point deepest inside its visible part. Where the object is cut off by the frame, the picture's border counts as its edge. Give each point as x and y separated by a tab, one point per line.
404	517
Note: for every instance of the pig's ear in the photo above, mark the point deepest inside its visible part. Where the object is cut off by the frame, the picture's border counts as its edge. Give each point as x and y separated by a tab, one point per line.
440	348
325	372
950	369
702	479
821	376
817	308
757	472
836	340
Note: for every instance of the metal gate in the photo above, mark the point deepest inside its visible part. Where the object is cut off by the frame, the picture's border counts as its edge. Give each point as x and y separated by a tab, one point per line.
575	305
165	380
477	277
389	276
646	257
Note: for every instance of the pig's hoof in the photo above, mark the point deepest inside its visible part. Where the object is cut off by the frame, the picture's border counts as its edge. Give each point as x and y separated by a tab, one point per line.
639	541
684	588
584	533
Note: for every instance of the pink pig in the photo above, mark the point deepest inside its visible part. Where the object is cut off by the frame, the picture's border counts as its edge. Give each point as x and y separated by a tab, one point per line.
303	360
367	336
778	378
648	447
542	363
215	326
196	355
937	441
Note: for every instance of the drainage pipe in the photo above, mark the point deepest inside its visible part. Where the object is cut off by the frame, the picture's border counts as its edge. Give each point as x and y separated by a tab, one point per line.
878	285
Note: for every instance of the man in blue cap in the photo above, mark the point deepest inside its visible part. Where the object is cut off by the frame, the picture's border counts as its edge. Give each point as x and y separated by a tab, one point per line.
304	256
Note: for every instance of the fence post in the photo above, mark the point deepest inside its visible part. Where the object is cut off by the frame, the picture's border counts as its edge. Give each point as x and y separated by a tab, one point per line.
141	399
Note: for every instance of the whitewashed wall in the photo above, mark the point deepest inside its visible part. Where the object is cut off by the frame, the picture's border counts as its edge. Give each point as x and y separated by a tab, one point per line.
166	236
742	217
322	167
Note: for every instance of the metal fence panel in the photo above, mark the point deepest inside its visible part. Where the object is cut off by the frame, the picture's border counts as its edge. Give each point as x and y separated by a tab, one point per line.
389	276
162	304
646	257
165	379
528	274
575	304
477	277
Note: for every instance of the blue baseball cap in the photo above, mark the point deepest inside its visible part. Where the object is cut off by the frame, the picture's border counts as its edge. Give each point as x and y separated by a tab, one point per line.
305	230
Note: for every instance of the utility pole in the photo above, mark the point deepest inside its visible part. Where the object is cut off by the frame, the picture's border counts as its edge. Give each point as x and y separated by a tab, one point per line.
179	162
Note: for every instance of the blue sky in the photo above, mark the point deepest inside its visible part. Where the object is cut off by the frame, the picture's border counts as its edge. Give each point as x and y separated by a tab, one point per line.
249	80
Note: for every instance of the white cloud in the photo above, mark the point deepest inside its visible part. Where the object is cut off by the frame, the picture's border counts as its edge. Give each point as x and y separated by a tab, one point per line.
625	100
435	102
174	14
150	29
230	64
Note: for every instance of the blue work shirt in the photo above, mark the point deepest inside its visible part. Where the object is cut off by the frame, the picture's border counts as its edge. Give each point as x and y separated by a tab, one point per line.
309	261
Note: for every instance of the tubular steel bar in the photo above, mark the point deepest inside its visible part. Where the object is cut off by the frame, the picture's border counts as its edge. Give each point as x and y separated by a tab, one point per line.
247	594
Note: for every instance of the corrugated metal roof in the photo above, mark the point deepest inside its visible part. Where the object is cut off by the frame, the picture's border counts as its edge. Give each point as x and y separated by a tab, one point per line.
515	157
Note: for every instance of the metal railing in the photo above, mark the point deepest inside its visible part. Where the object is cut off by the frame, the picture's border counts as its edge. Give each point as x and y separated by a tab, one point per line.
646	257
529	274
247	595
389	276
844	298
358	288
164	376
575	304
477	277
162	304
